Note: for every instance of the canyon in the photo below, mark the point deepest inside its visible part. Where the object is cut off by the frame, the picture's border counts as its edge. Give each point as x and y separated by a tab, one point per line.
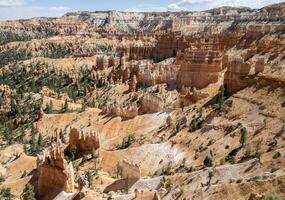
144	105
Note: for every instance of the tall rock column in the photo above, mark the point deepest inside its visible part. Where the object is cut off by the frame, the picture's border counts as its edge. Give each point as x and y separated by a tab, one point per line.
54	173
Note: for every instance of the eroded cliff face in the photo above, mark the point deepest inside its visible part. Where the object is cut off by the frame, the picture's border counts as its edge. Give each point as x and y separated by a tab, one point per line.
55	174
83	141
149	106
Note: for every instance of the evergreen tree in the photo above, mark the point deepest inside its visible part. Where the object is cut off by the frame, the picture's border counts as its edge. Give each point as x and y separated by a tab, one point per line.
5	194
28	192
93	105
243	137
221	97
26	149
34	130
89	176
49	108
33	143
1	101
208	162
169	121
40	143
65	107
62	137
21	136
40	140
83	108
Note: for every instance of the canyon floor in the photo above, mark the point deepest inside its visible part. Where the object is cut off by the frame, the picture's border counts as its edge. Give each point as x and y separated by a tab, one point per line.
144	106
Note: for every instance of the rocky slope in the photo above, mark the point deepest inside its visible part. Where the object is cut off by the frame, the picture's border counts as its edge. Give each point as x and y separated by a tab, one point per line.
125	106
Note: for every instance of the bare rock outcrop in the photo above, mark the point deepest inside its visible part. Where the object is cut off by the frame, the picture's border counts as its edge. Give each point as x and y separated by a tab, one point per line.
130	174
147	195
240	73
124	111
200	67
83	141
55	174
150	74
152	104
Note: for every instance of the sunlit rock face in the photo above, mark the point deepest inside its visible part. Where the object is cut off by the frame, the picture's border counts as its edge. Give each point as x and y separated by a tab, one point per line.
54	173
200	68
83	141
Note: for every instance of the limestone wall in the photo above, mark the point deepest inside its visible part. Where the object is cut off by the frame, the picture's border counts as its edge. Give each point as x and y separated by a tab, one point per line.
200	67
54	173
83	141
130	171
130	111
240	73
152	104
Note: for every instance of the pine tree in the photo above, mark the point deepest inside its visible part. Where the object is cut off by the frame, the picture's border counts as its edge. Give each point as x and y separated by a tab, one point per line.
28	192
21	136
40	140
1	101
221	97
93	105
62	137
25	149
89	177
5	194
33	144
208	162
49	108
40	143
34	130
65	107
169	121
33	141
243	137
83	108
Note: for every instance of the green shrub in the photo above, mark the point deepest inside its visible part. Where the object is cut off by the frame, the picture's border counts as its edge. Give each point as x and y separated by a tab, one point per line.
274	169
49	108
243	137
273	197
2	178
71	154
255	178
127	141
90	175
24	174
183	168
208	162
5	194
233	127
196	123
28	192
168	184
169	121
231	156
277	155
65	108
257	148
62	137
